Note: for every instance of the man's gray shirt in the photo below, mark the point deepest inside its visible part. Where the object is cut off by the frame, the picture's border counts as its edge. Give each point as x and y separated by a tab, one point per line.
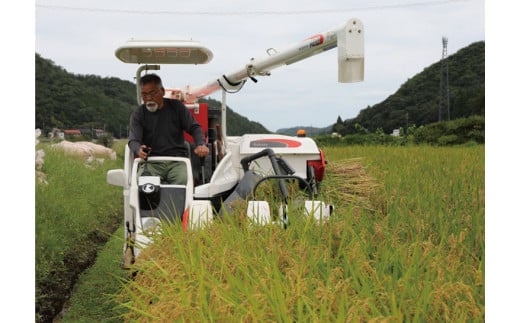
163	129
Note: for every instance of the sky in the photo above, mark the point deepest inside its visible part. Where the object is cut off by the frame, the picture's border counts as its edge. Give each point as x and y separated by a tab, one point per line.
402	37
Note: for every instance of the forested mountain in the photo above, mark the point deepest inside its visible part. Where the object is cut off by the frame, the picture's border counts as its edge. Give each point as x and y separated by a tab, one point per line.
67	101
237	124
416	102
70	101
310	131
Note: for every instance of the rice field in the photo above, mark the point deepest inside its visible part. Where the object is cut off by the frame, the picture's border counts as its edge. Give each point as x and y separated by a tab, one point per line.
406	243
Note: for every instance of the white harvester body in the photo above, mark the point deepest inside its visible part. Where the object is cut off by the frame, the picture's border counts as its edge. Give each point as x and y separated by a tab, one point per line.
237	164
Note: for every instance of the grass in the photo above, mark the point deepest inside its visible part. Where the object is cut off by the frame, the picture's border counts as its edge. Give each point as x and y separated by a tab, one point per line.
76	212
93	297
406	244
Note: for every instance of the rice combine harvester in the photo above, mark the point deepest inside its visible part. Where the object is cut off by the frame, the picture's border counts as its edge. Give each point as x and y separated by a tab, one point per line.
236	164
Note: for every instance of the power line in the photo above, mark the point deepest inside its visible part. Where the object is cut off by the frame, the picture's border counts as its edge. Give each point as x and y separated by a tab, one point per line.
253	12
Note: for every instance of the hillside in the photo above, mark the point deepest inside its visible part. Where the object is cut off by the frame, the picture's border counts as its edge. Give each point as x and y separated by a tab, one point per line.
417	100
236	123
311	131
67	101
64	100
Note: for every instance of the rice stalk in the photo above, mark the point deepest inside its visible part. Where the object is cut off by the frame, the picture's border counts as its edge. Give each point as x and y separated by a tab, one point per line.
347	183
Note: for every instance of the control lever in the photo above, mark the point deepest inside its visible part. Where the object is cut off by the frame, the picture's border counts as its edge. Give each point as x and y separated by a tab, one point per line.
202	169
147	151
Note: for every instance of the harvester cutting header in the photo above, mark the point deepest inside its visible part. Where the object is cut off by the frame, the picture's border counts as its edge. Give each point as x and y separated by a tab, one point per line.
236	165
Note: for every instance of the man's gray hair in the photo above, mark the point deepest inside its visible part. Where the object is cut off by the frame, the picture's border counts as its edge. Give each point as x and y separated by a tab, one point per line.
150	78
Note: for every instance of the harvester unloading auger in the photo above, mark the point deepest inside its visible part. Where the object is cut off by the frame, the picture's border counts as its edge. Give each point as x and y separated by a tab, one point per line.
236	164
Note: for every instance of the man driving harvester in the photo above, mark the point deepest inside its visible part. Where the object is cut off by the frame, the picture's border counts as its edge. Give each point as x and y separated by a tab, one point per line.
157	129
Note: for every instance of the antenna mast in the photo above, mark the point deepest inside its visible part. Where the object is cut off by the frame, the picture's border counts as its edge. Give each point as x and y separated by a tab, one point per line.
444	94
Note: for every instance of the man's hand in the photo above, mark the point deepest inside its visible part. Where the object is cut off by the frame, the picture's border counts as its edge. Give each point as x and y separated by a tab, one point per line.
201	151
144	151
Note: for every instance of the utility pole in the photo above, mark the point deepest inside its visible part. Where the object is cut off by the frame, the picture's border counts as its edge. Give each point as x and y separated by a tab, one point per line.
444	94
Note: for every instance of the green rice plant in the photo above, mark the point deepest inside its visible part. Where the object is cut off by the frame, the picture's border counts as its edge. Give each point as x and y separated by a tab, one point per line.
429	233
406	243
